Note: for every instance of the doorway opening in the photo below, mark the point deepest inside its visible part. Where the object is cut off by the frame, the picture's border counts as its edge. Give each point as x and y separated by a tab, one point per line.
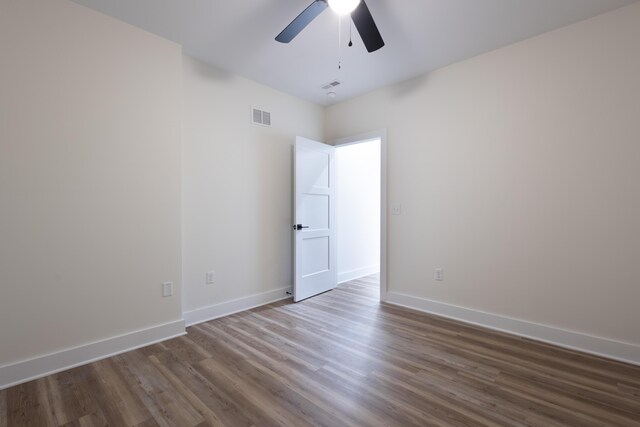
360	214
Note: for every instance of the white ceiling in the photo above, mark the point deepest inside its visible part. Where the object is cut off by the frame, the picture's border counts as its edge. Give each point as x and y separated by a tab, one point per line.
420	35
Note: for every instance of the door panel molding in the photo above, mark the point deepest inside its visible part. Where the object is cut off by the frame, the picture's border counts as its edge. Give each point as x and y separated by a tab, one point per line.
314	219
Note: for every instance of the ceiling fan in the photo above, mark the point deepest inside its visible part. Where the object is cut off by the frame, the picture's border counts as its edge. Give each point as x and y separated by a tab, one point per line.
360	15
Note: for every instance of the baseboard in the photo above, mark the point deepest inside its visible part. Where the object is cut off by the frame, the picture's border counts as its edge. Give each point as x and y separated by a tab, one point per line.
226	308
358	273
27	370
624	352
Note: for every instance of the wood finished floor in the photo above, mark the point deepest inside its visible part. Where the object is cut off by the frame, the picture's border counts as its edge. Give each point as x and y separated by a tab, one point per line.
337	359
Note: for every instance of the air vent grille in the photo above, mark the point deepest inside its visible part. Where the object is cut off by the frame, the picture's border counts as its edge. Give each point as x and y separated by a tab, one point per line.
260	117
331	85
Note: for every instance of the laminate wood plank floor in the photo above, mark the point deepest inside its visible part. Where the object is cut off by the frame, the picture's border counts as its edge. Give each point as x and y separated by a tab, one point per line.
338	359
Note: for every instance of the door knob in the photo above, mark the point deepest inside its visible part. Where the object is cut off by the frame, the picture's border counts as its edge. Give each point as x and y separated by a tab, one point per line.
299	227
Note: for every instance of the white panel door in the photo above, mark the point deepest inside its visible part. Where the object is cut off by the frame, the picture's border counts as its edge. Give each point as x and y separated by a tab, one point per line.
314	228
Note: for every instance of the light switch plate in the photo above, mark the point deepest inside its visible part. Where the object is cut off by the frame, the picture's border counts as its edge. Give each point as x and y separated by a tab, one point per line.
167	289
211	277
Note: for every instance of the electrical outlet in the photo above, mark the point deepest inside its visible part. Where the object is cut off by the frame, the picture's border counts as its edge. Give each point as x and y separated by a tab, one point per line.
439	274
167	289
396	209
211	277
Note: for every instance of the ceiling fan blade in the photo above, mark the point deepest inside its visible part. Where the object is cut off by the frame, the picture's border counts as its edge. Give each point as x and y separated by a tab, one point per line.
302	20
367	28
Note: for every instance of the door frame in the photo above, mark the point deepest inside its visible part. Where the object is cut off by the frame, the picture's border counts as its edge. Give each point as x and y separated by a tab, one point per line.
380	134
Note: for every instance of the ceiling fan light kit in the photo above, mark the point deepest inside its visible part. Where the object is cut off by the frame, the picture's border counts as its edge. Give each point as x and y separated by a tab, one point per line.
343	7
360	15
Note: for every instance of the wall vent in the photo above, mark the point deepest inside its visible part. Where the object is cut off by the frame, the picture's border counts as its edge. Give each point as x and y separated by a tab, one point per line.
331	85
260	117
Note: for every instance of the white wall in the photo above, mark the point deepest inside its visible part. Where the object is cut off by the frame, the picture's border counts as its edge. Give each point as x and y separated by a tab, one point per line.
358	209
237	189
89	178
518	174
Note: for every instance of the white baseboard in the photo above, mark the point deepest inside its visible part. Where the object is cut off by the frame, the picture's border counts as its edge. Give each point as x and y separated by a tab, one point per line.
624	352
226	308
358	273
27	370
